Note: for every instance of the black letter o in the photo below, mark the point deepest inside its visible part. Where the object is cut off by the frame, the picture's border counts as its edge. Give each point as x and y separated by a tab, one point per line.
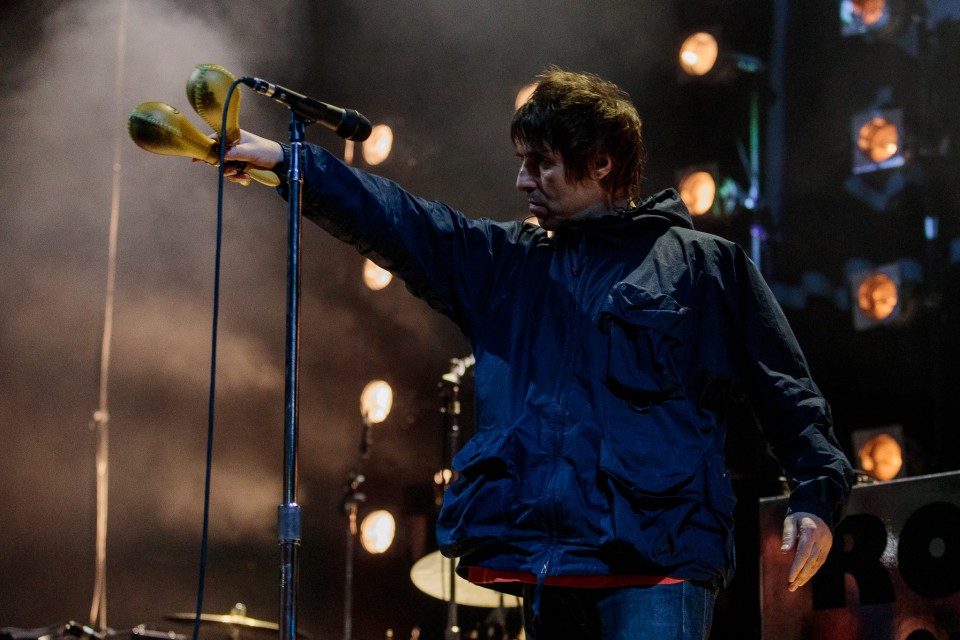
929	550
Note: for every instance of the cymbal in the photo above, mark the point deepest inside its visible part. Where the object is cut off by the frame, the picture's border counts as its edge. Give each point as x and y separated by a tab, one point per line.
230	618
236	618
431	574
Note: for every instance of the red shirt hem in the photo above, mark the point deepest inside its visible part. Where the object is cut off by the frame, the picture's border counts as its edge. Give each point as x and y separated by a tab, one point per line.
480	575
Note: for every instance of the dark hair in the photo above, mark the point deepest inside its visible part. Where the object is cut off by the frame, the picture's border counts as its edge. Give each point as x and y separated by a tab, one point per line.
579	115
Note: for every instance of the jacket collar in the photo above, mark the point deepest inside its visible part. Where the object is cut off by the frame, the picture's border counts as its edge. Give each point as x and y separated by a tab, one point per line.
659	211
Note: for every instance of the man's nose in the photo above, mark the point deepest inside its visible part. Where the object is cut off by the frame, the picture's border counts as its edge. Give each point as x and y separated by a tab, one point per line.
524	181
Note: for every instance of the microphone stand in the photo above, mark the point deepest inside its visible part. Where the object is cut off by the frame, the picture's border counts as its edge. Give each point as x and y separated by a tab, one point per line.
451	410
288	513
353	497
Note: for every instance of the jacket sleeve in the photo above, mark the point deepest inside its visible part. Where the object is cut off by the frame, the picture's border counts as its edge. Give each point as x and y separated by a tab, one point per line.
442	256
793	414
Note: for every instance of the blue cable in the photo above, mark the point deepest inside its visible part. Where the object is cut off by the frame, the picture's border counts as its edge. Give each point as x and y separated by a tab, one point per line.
213	371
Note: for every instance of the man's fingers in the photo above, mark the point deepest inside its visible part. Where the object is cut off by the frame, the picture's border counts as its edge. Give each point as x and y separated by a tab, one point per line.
801	573
789	534
812	539
805	556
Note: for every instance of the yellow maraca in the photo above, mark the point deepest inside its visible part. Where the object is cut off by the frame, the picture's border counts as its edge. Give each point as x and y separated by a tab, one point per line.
207	92
160	128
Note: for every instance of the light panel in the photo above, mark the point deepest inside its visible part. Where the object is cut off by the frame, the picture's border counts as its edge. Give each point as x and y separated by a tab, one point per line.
877	137
877	297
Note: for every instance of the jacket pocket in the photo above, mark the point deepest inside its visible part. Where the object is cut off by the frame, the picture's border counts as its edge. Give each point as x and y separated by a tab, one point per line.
644	337
667	506
647	471
477	506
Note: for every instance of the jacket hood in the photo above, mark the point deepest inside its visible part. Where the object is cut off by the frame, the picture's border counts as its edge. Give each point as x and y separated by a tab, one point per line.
661	210
665	204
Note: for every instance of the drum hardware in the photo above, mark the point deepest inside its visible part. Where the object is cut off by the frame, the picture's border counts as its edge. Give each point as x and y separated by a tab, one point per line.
431	574
237	619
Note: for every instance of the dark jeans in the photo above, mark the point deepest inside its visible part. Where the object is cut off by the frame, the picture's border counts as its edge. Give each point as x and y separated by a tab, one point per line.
682	611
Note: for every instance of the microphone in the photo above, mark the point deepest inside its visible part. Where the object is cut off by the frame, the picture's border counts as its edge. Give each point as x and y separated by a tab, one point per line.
346	123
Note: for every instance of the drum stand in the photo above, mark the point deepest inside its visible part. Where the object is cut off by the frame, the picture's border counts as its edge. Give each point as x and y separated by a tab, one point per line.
451	411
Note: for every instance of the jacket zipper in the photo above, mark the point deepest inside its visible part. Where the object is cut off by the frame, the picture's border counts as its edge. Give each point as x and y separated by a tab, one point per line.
559	415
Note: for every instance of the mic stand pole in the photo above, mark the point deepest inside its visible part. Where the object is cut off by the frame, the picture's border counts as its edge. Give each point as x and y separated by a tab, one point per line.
352	498
453	624
288	513
451	409
351	502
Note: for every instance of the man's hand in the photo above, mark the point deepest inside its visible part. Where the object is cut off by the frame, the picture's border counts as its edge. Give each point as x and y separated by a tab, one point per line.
257	152
812	539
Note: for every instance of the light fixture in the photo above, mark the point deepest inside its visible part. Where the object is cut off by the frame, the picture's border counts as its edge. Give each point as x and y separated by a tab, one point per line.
880	451
702	55
443	477
876	298
704	190
377	147
698	53
860	16
377	531
698	190
376	400
374	276
885	19
882	295
877	137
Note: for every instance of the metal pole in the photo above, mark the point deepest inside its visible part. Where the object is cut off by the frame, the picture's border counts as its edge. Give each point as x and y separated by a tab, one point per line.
289	511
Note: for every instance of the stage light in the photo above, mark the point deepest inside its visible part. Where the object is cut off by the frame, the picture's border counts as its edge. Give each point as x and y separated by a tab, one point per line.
443	477
880	451
702	55
861	16
881	295
698	190
877	296
704	190
711	61
877	140
885	19
377	147
376	400
698	53
377	531
902	23
375	277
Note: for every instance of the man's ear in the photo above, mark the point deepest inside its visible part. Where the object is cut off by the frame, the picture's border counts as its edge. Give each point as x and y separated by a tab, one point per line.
601	166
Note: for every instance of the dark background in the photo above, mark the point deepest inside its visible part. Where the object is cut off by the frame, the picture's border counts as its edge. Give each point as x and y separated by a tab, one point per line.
443	74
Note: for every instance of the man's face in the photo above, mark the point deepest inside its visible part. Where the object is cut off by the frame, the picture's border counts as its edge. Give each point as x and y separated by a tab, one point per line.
551	197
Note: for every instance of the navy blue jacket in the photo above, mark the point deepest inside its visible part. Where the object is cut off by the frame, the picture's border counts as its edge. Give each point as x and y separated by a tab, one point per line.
604	357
